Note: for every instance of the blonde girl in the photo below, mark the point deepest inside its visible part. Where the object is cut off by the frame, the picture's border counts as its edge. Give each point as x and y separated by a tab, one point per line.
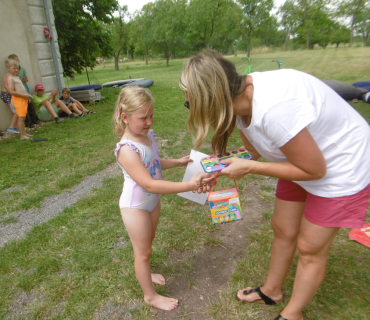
137	155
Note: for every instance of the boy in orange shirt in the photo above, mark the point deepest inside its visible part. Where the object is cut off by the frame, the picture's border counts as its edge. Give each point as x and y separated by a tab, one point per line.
19	96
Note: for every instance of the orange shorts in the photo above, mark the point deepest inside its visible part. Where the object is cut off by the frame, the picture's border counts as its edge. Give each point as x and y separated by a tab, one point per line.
20	105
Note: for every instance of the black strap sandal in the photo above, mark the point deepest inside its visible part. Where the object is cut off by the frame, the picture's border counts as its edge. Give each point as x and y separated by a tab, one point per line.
280	317
264	299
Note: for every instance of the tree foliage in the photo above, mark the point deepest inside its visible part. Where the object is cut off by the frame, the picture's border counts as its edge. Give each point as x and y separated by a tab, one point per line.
256	13
352	10
81	38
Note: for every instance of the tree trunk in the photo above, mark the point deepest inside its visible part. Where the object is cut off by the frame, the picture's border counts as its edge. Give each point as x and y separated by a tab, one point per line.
116	60
287	39
104	63
352	31
308	40
146	56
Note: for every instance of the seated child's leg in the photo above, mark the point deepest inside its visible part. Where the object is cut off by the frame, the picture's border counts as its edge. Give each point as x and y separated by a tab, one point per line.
49	107
76	109
139	226
62	106
81	107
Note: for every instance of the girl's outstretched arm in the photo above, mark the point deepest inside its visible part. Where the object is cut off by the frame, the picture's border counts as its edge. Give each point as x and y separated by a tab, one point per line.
130	160
172	163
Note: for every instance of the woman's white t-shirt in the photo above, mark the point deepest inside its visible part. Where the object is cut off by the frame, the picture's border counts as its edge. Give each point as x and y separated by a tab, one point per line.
287	101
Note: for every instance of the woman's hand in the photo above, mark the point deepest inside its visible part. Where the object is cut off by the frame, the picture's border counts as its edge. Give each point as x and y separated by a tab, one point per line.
237	167
183	162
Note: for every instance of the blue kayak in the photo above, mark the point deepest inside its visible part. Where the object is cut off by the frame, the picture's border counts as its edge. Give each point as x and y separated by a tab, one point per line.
88	87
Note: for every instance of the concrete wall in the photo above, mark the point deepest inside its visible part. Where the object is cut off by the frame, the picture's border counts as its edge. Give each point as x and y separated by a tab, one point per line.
22	24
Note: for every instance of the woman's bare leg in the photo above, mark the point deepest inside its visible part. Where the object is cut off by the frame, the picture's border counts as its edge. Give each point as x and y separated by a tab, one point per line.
286	223
313	243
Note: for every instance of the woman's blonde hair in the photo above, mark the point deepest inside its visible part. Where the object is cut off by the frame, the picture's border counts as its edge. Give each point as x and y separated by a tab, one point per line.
129	100
210	83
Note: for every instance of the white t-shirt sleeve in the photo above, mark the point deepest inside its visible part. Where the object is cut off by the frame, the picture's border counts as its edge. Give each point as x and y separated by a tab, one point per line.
286	119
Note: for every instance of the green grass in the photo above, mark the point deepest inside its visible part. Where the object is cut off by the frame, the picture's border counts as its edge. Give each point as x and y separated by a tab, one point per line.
80	263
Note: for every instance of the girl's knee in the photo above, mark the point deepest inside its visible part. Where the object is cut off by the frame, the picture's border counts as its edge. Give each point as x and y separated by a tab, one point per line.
143	255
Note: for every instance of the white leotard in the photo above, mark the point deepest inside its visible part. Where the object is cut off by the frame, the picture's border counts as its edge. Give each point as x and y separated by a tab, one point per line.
134	196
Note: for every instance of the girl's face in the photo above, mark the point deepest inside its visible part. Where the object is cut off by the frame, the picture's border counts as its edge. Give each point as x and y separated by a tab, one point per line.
141	121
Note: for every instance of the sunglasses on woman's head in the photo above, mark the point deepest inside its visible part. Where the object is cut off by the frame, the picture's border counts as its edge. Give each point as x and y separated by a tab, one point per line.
187	105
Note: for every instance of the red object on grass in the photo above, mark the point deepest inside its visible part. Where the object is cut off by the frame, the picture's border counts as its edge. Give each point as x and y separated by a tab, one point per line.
47	33
361	235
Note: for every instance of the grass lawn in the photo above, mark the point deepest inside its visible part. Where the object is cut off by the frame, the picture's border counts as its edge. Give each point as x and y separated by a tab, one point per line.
81	262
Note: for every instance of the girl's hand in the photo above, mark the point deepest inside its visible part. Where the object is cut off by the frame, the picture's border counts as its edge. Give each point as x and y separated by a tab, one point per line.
183	162
237	167
204	181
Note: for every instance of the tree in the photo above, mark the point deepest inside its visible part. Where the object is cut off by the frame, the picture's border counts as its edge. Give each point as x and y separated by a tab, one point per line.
168	25
340	34
227	30
363	25
119	35
289	19
142	30
207	20
81	38
256	13
352	9
305	16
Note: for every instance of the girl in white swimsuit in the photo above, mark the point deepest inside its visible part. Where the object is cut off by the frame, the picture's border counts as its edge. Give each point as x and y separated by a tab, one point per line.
137	155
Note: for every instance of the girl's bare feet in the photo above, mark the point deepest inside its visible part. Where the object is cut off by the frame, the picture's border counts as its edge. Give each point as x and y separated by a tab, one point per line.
29	135
158	279
162	302
25	138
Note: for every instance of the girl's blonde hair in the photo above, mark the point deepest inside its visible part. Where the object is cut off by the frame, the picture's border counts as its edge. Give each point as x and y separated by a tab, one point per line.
211	83
129	100
11	63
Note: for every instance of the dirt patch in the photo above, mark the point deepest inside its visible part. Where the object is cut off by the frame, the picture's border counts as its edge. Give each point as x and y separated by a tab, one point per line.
211	268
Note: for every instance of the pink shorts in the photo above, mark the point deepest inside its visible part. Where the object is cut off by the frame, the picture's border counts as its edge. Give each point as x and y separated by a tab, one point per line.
344	212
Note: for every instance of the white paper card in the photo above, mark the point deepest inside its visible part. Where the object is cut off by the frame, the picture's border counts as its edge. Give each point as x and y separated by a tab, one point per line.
191	169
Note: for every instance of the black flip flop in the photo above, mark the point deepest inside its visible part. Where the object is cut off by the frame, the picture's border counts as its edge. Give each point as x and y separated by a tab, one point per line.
280	317
263	298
